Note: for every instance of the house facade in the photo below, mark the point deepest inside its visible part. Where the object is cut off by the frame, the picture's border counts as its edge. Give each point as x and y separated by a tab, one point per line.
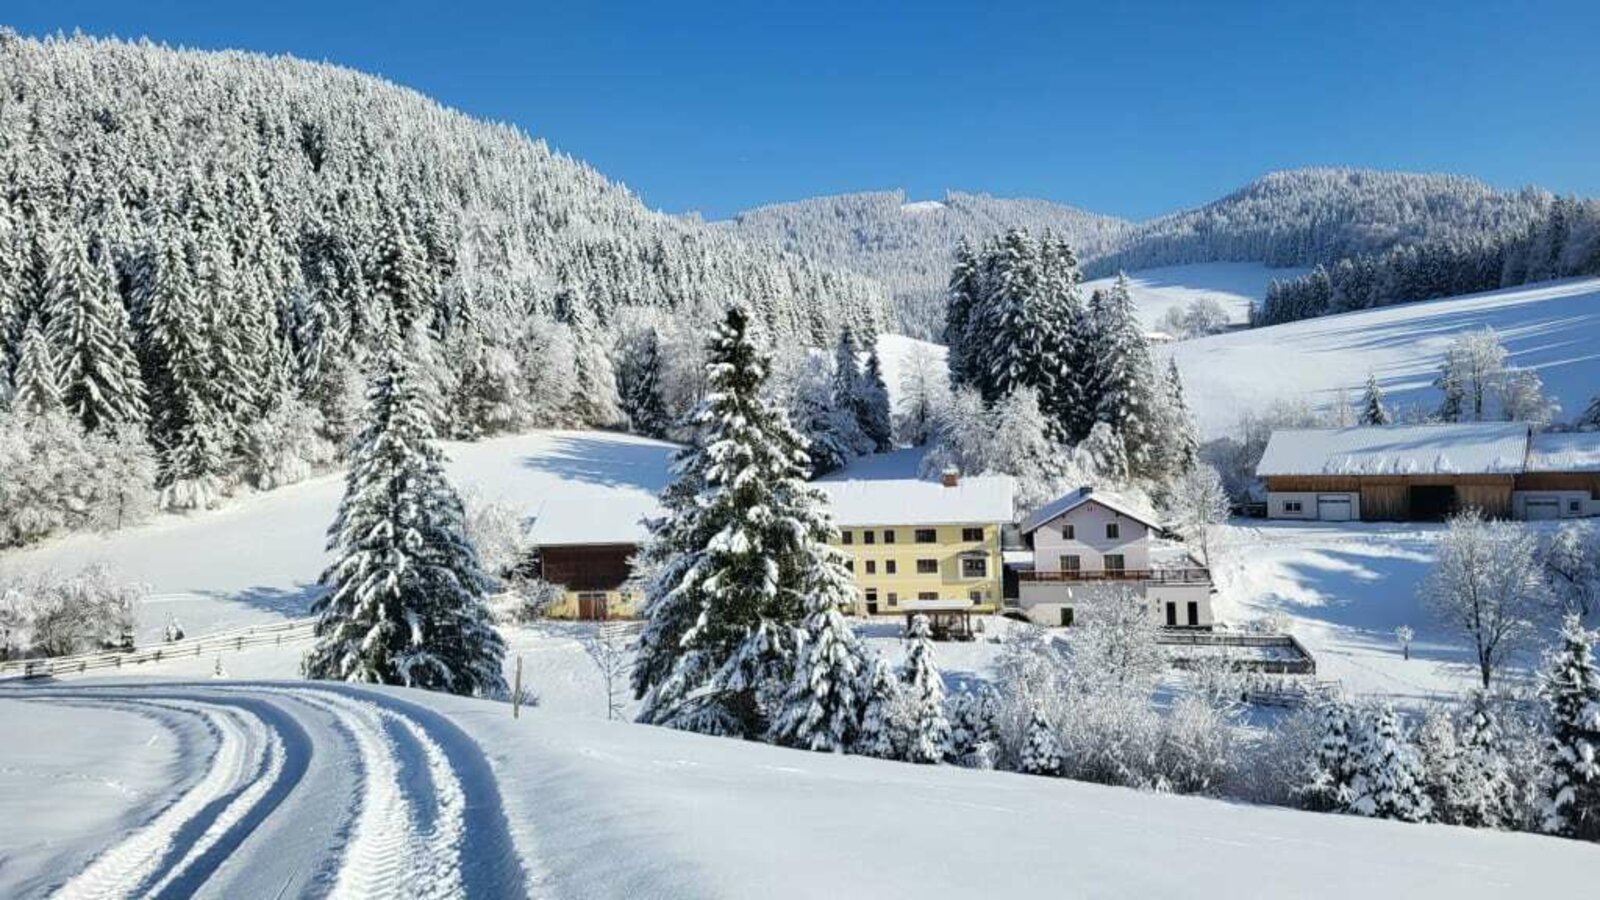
593	579
1090	547
1427	472
915	540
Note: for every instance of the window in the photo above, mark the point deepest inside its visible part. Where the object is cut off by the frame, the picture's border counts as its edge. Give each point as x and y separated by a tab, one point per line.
872	598
927	567
889	567
1574	506
872	567
888	535
869	536
1066	616
1114	562
975	596
926	535
850	566
1071	563
894	599
928	595
1069	532
1293	506
1113	530
974	567
847	538
972	534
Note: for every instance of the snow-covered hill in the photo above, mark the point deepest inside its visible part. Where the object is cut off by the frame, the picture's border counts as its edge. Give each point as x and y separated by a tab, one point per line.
1235	285
1553	327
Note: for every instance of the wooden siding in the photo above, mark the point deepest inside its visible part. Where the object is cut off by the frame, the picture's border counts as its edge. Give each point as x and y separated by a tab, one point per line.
586	567
1560	481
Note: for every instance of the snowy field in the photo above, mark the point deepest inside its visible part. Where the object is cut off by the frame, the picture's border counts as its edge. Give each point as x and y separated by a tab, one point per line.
229	789
1236	286
257	559
1553	327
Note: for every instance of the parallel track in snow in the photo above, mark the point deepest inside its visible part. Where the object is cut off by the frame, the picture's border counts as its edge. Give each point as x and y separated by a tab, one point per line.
307	790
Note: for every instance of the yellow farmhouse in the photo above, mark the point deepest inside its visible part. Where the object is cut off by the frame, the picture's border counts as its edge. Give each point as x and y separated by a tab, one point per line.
911	540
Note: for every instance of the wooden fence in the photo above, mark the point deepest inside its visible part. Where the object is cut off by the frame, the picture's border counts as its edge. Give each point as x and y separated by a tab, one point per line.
276	634
1300	663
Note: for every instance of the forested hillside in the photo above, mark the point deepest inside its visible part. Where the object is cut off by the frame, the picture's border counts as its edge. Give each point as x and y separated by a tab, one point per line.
909	247
200	249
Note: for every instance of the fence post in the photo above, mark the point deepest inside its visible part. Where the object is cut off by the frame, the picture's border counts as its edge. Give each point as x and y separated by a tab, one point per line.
516	691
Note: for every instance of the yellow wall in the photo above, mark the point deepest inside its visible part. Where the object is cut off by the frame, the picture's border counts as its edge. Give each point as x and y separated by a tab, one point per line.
619	605
906	584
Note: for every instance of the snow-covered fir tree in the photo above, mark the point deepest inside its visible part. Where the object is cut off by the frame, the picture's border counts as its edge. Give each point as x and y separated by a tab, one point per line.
1042	753
1482	794
737	558
832	434
639	373
35	389
882	732
821	709
1570	685
1125	387
88	331
1389	780
973	732
1373	412
848	395
927	729
874	414
1332	769
406	598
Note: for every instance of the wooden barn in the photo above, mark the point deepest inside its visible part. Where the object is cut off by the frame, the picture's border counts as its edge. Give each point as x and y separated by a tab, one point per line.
1427	472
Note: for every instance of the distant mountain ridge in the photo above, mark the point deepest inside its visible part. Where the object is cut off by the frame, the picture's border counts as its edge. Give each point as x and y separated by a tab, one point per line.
1298	217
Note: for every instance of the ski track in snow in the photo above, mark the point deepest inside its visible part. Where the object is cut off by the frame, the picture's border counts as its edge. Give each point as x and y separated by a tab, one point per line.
420	795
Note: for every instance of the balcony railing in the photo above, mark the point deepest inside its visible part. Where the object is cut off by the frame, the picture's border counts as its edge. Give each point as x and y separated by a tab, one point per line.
1148	576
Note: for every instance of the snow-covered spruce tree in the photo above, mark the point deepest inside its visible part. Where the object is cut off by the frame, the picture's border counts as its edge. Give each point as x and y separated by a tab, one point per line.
737	557
1025	327
185	426
1042	753
406	597
594	391
36	390
832	435
97	369
1331	770
1439	751
639	384
1373	412
1021	446
1126	383
1571	686
848	395
927	729
1482	793
961	308
883	732
1178	449
874	414
821	709
973	735
1388	781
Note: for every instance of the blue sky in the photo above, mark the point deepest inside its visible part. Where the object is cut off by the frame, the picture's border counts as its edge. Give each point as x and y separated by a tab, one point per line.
1131	109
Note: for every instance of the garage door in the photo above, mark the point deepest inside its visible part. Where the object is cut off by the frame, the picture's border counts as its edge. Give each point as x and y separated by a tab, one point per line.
1334	508
1544	508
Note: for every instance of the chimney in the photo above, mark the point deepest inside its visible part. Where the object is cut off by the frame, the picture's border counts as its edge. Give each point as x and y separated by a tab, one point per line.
950	477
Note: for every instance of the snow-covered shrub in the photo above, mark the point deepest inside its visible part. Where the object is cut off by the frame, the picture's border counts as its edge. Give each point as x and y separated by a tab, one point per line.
1041	751
1031	675
1330	768
55	477
973	736
1196	750
1275	763
55	615
495	532
1389	780
286	445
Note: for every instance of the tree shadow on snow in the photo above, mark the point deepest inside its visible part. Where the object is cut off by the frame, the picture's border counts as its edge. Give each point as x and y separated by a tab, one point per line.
289	602
611	462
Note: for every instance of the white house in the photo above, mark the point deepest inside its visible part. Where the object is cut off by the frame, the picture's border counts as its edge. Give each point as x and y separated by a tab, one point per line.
1090	545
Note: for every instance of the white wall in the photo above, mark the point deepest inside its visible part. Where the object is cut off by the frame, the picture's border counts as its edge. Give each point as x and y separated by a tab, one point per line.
1277	503
1042	602
1089	542
1586	506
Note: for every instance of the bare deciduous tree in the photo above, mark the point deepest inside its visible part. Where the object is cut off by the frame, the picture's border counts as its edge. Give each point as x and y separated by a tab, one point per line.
1486	587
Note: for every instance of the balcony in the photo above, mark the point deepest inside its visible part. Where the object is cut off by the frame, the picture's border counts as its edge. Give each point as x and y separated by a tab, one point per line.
1142	576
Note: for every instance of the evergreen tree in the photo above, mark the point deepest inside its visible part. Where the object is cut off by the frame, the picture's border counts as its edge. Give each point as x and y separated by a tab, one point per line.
848	396
1126	380
1589	419
406	595
1571	686
1373	412
593	401
36	391
882	732
927	730
1333	768
739	556
639	385
1388	781
1041	749
1181	443
97	369
875	419
821	710
961	302
1482	794
973	734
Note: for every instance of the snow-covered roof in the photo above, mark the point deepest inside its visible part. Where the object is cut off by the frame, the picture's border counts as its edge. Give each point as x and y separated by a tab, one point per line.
592	517
1474	448
1068	502
983	499
916	606
1570	452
